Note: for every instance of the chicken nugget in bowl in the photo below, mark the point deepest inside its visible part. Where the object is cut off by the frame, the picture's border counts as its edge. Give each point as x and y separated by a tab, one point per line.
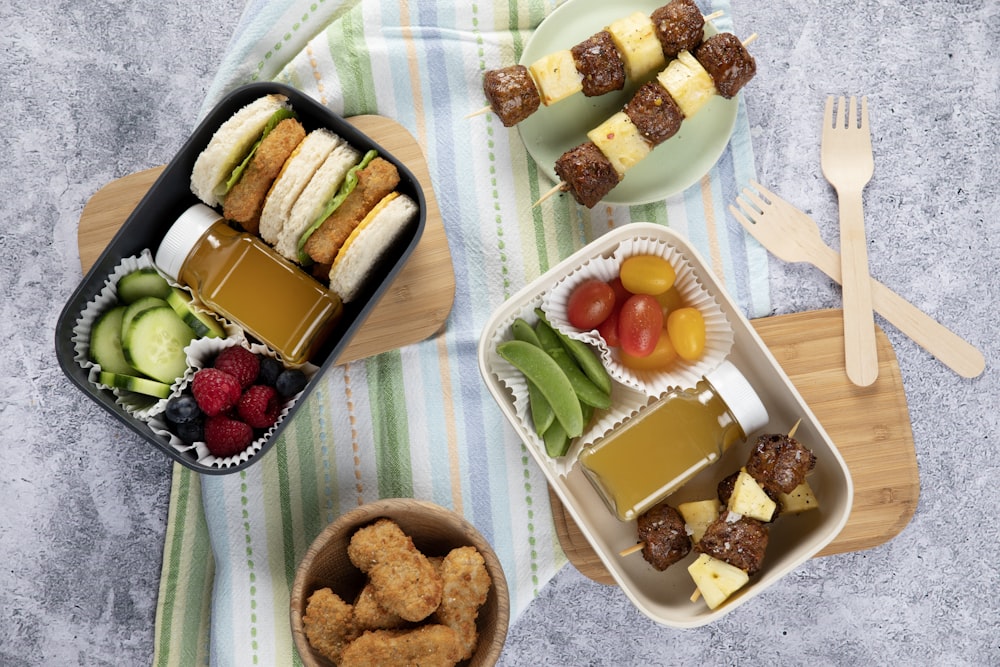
403	581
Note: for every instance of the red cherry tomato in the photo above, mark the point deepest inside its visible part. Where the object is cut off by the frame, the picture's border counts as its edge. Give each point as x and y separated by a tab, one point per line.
589	304
619	289
639	324
608	329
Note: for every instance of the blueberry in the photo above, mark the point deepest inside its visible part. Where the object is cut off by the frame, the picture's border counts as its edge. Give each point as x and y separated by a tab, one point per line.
192	431
270	369
182	409
291	382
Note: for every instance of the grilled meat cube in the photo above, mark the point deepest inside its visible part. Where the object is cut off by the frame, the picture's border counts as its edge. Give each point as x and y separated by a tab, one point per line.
654	113
779	463
679	26
741	543
600	65
589	176
665	538
728	62
511	93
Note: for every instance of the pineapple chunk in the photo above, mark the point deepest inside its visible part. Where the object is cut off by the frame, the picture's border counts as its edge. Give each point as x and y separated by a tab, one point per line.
750	500
698	514
620	141
799	499
635	38
688	83
556	76
716	579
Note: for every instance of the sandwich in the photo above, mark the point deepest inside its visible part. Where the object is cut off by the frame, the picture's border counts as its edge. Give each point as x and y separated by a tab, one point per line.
312	196
219	165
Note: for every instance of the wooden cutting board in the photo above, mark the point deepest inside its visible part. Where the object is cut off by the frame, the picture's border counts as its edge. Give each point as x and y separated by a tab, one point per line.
421	295
869	425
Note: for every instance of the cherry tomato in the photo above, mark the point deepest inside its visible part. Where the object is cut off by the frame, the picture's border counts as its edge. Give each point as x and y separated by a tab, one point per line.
686	328
661	358
639	324
670	301
608	329
620	292
589	304
647	274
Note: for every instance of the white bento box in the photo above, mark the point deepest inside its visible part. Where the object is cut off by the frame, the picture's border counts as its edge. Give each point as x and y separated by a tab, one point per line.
665	596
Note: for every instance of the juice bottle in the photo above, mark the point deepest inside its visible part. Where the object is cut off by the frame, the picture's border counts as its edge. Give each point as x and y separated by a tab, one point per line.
242	279
653	455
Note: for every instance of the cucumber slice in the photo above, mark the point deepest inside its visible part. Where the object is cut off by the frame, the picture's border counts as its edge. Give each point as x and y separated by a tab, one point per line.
136	384
154	344
137	306
106	342
142	282
203	325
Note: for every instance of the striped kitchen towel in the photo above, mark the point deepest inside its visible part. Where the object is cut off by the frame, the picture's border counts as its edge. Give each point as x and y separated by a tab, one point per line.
418	421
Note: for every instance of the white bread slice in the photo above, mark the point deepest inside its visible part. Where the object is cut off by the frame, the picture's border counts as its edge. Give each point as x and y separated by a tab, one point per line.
293	179
383	224
230	144
320	190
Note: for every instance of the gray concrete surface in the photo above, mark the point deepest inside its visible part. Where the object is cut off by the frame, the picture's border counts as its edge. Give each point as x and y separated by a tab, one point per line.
94	91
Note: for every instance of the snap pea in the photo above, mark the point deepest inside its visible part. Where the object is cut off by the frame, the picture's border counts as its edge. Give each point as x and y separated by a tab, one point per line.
541	412
538	367
556	441
589	362
586	391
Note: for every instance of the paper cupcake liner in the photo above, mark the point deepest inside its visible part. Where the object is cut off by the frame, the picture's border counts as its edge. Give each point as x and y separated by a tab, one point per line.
625	401
137	405
200	355
693	293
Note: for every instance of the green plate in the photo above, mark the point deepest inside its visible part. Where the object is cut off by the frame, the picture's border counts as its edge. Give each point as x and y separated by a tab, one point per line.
673	166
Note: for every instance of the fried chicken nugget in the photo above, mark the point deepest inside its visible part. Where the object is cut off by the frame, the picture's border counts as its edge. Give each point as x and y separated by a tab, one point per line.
466	585
245	201
370	615
328	623
426	646
375	181
404	581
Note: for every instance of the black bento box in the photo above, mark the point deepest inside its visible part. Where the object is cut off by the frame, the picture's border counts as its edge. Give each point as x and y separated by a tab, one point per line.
170	196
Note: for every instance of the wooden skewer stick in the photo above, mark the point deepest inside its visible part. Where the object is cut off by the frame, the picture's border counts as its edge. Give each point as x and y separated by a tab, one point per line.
559	186
791	431
632	549
714	15
479	112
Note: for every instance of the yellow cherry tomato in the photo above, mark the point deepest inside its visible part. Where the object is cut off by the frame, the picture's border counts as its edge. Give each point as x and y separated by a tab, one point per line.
686	328
670	301
662	357
647	274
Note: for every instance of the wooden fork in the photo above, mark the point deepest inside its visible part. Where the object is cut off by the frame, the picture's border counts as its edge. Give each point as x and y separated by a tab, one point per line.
793	236
846	157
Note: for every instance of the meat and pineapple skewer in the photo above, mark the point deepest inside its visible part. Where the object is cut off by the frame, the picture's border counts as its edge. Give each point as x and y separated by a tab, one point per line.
720	65
630	48
730	533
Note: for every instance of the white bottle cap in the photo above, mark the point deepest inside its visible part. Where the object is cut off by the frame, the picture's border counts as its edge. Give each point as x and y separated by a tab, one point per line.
181	237
739	396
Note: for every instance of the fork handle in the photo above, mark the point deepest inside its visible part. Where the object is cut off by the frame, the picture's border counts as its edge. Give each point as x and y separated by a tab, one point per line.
950	349
860	347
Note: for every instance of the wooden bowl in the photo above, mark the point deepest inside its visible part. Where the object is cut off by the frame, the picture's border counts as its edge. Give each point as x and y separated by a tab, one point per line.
435	531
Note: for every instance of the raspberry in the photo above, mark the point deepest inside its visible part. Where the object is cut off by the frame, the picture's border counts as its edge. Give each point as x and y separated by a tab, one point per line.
215	391
259	406
225	436
239	362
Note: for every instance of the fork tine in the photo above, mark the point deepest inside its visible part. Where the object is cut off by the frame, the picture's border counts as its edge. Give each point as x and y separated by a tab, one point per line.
740	217
764	191
756	199
864	113
828	115
852	114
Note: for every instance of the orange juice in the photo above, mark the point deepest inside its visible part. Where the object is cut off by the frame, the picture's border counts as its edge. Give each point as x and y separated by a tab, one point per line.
245	281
